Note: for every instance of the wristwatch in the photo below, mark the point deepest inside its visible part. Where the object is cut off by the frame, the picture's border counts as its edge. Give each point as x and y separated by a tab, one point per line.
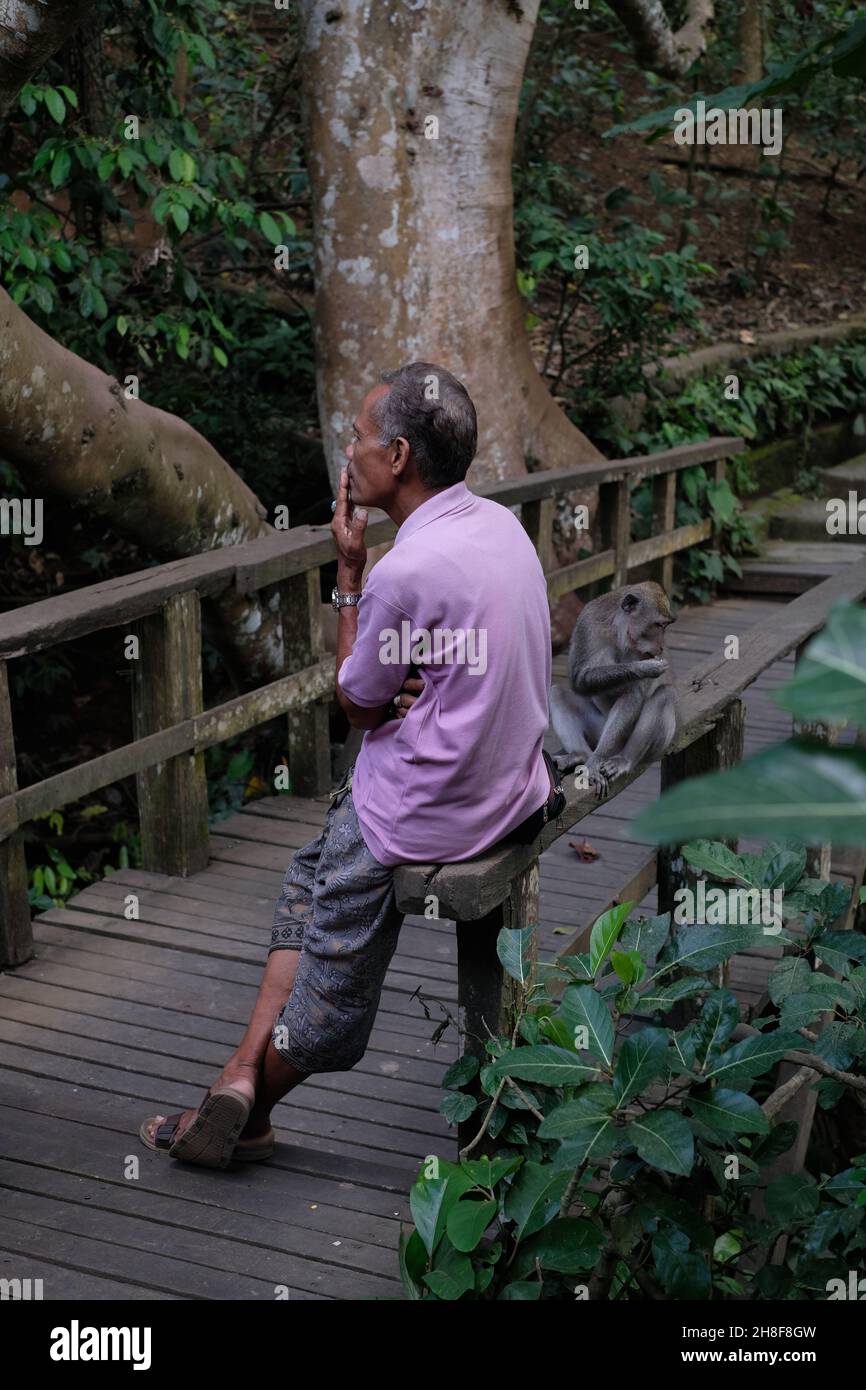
339	600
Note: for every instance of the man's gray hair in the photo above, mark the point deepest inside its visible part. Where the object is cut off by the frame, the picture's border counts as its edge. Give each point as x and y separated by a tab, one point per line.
430	408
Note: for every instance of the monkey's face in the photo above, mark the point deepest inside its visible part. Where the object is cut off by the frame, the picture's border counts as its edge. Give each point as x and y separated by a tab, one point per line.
646	615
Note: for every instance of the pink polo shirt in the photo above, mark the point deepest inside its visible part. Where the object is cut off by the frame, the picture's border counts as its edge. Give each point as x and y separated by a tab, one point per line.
462	595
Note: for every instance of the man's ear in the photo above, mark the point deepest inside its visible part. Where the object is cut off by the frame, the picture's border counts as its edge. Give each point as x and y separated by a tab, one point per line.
400	455
629	603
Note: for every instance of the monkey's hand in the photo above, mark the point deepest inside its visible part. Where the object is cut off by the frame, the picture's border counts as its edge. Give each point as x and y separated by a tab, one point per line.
650	667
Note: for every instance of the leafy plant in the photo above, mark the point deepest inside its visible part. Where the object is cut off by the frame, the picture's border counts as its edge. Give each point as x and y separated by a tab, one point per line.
801	787
629	1149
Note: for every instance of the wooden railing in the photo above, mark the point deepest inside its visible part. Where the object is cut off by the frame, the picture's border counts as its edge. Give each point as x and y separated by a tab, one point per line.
500	888
162	606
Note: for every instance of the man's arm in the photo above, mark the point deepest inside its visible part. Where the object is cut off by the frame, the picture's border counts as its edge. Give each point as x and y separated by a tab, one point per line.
348	529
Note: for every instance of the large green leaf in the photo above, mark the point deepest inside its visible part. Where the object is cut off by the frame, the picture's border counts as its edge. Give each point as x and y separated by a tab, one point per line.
791	1198
840	1043
664	1140
583	1007
703	948
487	1172
569	1245
553	1066
729	1112
514	948
683	1273
785	868
830	680
605	932
646	935
714	1025
590	1108
457	1106
715	858
754	1055
413	1262
452	1276
461	1071
431	1199
468	1220
534	1196
838	948
800	788
792	975
661	998
524	1290
643	1058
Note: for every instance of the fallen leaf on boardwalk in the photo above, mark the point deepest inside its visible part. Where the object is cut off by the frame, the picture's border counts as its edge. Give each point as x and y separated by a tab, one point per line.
584	850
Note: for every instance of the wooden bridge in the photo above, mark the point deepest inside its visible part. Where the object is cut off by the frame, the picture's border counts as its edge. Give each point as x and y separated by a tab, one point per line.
107	1016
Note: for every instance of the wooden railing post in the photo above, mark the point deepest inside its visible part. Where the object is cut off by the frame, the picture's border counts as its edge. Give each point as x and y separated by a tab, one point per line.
16	930
308	729
664	515
488	998
537	518
167	689
714	545
614	522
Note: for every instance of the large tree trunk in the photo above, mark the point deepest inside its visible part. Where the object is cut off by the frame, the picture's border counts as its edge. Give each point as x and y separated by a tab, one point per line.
30	32
72	434
413	236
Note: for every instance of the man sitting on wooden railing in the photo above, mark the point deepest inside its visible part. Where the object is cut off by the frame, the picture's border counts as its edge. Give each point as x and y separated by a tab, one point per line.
462	596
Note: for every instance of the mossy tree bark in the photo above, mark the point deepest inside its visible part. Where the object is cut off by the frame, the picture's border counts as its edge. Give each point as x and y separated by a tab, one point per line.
411	111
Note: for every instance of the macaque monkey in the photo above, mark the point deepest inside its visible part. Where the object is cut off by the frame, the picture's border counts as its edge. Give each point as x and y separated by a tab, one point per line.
621	709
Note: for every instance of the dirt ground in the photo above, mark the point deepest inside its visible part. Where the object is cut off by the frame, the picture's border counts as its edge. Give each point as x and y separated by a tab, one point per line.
819	277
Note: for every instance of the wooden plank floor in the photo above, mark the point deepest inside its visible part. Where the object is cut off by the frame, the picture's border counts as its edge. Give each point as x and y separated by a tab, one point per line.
115	1019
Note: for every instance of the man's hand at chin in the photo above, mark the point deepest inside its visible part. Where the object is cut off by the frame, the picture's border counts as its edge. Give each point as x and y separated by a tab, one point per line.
347	528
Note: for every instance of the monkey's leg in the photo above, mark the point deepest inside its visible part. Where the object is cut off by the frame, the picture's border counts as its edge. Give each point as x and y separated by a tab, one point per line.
654	731
577	721
609	759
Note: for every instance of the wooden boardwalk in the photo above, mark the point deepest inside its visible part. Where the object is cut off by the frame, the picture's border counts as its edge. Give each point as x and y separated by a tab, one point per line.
115	1019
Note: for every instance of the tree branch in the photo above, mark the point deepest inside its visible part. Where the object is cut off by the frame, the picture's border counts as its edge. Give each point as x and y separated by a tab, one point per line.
657	46
807	1059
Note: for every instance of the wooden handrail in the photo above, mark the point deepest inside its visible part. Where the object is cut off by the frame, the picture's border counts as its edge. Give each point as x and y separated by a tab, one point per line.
256	564
162	606
470	890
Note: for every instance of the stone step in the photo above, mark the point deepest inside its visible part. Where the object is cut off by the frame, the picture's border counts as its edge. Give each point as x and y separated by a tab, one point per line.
851	474
803	521
792	567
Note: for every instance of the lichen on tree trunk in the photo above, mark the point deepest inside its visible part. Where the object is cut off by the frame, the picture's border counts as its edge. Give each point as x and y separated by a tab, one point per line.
414	242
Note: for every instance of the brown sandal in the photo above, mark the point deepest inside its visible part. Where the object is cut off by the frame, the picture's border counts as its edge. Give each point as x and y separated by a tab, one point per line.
211	1135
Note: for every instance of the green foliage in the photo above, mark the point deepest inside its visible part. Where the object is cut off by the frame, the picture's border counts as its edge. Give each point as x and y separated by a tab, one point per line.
52	878
643	1141
99	163
143	250
840	55
802	787
622	308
